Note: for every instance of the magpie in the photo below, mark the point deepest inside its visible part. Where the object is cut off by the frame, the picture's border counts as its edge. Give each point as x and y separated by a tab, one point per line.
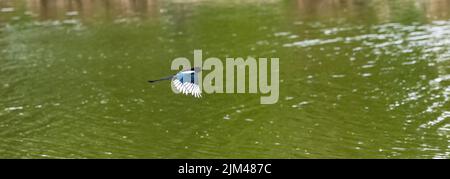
185	81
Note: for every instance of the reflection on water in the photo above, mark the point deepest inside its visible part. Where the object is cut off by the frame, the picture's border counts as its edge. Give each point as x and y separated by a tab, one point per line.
383	10
50	9
359	78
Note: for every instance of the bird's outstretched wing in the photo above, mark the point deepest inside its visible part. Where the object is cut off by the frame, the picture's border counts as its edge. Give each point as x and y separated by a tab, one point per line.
187	83
187	88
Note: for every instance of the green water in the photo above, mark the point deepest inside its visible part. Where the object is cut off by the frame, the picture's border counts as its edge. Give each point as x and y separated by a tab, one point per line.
358	79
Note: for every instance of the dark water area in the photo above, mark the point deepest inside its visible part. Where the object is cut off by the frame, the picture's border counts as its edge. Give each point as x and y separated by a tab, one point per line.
358	79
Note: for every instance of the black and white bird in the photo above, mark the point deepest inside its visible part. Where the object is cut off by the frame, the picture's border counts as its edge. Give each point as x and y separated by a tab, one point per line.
185	81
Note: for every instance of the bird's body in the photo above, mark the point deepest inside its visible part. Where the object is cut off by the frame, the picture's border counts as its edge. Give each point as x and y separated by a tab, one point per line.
185	81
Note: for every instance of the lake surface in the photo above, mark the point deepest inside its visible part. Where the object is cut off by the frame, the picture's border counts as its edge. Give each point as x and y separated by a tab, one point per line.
358	79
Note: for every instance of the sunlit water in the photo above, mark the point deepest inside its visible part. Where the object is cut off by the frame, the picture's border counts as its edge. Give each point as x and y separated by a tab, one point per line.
359	79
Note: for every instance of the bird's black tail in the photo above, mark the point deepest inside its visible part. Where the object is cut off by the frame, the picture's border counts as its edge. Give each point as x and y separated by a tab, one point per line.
162	79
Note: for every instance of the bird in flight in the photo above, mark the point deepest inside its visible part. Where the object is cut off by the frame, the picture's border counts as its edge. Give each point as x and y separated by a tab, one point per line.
185	81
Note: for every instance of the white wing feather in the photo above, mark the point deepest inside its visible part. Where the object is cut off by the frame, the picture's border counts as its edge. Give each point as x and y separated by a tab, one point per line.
187	88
